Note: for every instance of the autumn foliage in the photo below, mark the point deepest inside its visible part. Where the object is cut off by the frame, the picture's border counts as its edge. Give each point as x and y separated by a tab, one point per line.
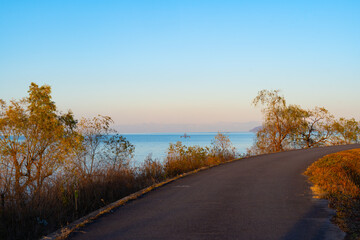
337	177
182	158
287	127
55	169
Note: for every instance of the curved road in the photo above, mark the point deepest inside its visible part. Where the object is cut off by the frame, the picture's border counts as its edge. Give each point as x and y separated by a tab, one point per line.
263	197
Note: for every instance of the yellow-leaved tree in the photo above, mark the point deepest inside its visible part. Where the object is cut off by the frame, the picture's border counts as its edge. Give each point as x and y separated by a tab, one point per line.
347	131
35	140
280	122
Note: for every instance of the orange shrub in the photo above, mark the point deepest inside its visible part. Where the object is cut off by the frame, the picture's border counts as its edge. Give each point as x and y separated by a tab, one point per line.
337	178
337	174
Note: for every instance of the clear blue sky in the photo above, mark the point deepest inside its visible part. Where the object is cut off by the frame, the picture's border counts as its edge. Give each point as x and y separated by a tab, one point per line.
182	62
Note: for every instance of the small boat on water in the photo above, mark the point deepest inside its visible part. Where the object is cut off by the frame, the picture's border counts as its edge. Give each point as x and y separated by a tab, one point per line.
185	136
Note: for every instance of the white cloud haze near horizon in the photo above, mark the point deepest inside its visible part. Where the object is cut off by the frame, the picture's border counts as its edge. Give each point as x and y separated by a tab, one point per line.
165	66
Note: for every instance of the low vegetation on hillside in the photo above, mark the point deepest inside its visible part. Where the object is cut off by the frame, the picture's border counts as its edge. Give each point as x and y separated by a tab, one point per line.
336	177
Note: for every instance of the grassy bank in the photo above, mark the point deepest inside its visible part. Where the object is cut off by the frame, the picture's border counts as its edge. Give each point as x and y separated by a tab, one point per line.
336	177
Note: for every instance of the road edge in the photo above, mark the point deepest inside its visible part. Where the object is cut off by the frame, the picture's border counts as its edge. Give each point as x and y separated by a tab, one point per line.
64	232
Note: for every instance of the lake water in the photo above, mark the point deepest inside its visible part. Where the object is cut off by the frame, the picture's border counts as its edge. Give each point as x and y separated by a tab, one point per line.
158	143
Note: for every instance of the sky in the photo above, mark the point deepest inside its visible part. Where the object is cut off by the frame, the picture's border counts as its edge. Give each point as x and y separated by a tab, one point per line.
184	65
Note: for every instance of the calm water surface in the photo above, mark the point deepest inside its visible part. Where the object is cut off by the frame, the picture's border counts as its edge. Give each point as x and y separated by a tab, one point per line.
158	143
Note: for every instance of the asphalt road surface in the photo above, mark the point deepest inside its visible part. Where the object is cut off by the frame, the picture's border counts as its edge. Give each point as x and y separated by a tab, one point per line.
263	197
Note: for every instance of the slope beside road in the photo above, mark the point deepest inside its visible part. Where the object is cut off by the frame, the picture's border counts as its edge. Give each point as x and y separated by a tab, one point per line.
262	197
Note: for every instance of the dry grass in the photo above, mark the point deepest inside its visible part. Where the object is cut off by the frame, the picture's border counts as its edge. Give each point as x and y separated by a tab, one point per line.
336	177
68	197
181	158
62	202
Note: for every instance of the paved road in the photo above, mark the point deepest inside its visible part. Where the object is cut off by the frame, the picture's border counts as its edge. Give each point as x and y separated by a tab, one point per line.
263	197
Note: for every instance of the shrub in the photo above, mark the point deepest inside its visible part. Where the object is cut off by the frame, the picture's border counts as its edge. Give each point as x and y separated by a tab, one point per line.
54	170
151	171
337	178
181	158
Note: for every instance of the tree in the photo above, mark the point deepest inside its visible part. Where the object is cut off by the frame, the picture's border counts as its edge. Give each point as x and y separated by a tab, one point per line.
117	152
101	145
280	122
43	154
346	131
315	129
222	147
94	132
35	140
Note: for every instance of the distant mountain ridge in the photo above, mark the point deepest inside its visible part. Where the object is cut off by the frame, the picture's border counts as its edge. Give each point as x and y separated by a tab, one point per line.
255	129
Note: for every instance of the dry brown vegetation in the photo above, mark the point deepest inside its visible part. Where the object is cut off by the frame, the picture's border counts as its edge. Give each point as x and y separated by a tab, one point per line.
54	169
336	177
